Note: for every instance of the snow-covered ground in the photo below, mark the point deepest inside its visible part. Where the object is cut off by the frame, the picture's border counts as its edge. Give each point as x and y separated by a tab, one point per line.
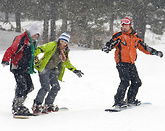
89	96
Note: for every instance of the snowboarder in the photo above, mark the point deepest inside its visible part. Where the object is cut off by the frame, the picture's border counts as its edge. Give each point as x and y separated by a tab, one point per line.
51	68
126	42
21	53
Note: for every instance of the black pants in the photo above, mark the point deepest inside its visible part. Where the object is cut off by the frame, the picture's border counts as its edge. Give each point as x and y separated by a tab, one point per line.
24	83
128	74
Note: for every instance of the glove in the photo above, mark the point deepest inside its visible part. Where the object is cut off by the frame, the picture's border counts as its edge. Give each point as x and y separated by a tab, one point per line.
36	59
78	73
160	54
4	63
106	49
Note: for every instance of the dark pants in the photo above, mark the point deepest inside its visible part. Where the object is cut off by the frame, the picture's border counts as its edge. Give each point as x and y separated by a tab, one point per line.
47	78
24	83
127	73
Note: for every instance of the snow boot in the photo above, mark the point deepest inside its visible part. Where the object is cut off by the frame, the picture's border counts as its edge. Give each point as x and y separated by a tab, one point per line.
18	108
134	102
49	108
36	108
22	110
122	104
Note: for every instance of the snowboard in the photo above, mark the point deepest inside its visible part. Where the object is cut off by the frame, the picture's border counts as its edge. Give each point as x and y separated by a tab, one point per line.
60	109
24	116
37	114
125	108
63	109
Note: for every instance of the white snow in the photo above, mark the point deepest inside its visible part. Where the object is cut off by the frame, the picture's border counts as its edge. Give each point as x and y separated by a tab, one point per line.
89	96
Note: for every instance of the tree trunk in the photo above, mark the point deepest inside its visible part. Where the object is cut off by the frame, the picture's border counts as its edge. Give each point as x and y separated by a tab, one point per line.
18	21
45	30
6	17
64	17
53	30
139	18
53	21
111	24
64	25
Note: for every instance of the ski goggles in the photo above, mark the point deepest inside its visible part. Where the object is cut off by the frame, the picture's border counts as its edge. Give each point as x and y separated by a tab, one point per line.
125	21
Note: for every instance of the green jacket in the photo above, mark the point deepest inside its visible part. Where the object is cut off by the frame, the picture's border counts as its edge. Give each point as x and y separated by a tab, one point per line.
48	49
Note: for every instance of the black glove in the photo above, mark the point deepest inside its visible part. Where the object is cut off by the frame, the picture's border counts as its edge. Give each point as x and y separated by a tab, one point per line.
106	49
4	63
160	54
78	73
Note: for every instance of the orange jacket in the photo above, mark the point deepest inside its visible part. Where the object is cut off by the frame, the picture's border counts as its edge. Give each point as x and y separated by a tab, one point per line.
126	45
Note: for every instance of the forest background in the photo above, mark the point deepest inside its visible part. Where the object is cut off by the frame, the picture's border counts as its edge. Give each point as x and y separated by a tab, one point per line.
90	22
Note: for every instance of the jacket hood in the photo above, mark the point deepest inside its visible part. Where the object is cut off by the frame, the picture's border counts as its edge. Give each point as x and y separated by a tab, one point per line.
34	29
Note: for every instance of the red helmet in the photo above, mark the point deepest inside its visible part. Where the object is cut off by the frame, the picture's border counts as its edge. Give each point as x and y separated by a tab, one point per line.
126	21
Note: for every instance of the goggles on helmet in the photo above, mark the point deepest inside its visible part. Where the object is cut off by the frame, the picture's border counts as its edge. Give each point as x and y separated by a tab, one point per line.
125	21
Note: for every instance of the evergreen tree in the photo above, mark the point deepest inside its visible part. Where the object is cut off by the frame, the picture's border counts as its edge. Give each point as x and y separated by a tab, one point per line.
85	20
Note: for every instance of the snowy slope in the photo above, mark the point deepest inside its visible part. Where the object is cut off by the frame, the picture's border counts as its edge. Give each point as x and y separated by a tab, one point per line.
87	97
